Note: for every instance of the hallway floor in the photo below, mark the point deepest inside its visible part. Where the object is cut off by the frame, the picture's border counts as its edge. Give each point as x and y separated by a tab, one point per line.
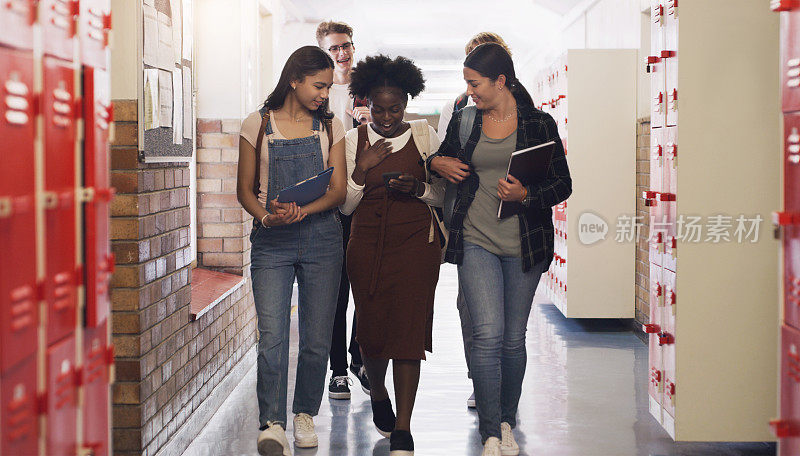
585	394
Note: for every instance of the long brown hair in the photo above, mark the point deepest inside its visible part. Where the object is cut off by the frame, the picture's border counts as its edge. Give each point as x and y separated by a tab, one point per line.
303	62
491	60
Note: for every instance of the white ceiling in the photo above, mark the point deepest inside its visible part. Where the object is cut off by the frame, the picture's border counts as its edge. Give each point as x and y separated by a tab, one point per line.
433	32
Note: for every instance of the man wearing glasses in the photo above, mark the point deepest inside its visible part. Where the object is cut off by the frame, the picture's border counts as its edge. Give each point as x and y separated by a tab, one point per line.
336	38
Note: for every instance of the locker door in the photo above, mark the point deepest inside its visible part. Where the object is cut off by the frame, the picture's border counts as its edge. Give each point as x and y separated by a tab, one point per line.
657	159
62	406
59	140
18	410
655	237
58	20
667	341
19	314
97	358
787	427
670	25
790	60
669	216
656	371
671	95
670	256
658	100
791	232
95	25
658	24
99	263
16	22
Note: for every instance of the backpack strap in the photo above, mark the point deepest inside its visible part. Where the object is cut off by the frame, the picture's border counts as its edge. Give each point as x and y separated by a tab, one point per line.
422	139
329	130
259	141
461	102
465	126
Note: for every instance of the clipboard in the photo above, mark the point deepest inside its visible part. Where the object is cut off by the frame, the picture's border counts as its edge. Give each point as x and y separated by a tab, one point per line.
307	190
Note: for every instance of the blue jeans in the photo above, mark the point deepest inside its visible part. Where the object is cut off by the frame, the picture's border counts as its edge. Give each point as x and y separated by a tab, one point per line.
311	251
498	296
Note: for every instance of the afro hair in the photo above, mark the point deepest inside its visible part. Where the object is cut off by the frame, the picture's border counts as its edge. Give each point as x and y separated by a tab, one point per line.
381	71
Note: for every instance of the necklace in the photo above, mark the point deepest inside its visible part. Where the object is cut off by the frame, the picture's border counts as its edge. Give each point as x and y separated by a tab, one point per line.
300	119
493	119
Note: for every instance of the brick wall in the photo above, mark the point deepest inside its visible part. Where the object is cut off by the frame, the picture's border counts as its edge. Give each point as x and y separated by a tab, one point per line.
166	365
223	242
642	248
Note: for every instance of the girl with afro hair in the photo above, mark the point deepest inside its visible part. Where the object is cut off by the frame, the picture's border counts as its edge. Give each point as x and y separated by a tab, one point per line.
395	247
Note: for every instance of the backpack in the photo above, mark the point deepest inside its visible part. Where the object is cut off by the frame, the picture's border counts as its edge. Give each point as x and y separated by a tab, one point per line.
451	190
460	103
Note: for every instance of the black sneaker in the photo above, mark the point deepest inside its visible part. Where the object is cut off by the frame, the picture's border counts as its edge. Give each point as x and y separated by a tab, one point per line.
401	444
361	374
383	416
337	387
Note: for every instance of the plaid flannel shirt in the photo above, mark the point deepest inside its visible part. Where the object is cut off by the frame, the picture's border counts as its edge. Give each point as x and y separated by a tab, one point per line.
534	127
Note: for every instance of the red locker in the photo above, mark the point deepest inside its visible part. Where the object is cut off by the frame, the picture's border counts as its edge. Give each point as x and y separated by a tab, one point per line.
62	405
657	220
97	358
16	22
99	263
19	410
791	262
671	95
95	25
19	314
59	111
58	19
787	427
656	385
670	25
669	215
790	59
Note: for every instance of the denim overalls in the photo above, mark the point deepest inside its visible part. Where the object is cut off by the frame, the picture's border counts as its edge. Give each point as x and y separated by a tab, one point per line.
311	251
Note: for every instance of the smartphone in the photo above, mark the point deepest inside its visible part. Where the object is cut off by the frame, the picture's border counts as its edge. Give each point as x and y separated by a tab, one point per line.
389	176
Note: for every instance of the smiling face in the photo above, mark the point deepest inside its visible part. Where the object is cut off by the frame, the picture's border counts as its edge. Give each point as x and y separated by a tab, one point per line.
341	49
484	92
312	91
387	108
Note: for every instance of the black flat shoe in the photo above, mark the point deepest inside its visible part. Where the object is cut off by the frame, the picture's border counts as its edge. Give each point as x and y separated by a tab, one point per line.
401	444
383	416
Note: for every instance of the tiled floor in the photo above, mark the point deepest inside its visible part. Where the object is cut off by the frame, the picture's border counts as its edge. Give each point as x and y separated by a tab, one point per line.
585	394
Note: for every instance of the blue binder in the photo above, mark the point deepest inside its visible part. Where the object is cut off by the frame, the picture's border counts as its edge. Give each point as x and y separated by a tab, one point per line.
308	190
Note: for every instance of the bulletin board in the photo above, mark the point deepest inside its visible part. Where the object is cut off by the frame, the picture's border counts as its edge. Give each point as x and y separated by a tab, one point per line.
166	105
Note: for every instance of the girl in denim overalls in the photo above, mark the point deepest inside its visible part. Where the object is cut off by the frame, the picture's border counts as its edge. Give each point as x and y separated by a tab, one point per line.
291	138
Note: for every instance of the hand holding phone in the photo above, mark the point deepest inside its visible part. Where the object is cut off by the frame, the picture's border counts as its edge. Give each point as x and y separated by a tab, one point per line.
389	176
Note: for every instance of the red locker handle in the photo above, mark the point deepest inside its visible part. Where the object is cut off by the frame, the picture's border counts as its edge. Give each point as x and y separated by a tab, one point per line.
667	197
783	5
665	338
651	59
785	218
671	389
667	54
651	328
782	429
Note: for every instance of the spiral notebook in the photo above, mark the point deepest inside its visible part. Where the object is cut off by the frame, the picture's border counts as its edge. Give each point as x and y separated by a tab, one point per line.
307	190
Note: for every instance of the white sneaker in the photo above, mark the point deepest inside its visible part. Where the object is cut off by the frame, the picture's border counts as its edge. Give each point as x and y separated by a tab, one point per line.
508	446
272	441
304	434
491	447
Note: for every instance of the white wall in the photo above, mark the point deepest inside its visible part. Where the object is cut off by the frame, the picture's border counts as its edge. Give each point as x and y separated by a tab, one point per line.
124	55
226	64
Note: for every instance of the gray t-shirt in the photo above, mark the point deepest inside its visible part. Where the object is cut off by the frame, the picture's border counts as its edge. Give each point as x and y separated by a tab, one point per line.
481	226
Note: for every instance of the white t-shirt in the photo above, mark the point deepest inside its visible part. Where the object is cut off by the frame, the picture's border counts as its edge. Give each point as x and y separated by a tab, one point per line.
249	132
354	191
340	101
447	115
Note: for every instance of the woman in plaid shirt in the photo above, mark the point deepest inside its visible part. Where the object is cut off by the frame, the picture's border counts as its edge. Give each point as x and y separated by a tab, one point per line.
499	261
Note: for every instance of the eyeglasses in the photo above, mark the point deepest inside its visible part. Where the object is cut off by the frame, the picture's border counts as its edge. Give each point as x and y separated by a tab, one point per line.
344	47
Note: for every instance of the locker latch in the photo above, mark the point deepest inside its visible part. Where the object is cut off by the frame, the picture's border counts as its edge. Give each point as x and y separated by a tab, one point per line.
782	429
781	219
651	328
783	5
665	338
